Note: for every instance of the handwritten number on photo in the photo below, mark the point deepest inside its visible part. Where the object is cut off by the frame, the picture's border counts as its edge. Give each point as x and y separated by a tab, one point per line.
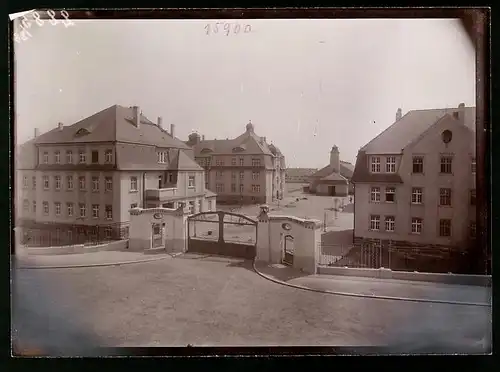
68	22
53	21
237	28
38	20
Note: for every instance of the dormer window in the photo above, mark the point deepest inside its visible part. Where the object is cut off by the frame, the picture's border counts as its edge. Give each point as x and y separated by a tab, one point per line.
390	164
205	150
82	132
375	164
45	158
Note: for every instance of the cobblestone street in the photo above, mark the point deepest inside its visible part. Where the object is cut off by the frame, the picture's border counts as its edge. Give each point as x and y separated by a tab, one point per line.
217	301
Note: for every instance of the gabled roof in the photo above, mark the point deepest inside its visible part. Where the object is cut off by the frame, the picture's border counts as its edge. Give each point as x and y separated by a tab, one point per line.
405	130
334	177
346	170
109	125
247	142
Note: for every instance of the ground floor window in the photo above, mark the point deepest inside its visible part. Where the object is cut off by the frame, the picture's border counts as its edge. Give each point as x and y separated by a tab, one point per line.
375	222
444	227
416	225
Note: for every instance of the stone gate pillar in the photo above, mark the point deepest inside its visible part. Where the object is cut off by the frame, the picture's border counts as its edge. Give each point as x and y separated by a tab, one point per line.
263	238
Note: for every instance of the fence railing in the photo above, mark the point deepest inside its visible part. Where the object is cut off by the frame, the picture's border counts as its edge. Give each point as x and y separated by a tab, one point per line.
51	236
375	256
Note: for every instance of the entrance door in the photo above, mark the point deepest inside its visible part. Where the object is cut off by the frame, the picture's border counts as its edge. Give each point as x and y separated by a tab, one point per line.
331	190
157	234
288	257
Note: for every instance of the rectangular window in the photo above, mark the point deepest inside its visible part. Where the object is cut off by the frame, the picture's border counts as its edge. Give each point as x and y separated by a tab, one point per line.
45	208
69	157
375	164
390	222
375	222
446	162
34	207
473	165
390	164
472	197
219	163
95	210
170	178
472	230
57	157
242	162
191	181
45	182
69	180
108	156
418	164
233	187
108	183
69	208
45	158
83	210
95	157
444	227
233	175
26	205
219	174
209	162
242	175
255	175
81	182
233	161
162	157
133	183
255	162
108	233
82	157
242	187
416	225
445	196
57	206
375	194
57	180
255	188
390	194
25	182
416	195
95	184
33	180
219	187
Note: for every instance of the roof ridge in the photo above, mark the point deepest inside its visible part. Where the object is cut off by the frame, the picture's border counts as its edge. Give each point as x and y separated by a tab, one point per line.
385	130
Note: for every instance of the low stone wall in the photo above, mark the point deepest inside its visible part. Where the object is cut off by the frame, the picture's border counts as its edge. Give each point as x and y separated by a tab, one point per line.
225	249
476	280
78	248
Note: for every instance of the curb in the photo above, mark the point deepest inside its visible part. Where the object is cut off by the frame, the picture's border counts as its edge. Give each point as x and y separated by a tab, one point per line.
358	295
95	265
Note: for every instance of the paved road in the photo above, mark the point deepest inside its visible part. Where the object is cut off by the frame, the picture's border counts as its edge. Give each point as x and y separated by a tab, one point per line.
220	302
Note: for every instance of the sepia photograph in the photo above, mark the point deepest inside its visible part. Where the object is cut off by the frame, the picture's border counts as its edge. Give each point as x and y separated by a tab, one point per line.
242	180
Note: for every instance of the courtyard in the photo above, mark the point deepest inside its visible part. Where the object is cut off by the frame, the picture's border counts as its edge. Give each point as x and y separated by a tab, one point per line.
215	301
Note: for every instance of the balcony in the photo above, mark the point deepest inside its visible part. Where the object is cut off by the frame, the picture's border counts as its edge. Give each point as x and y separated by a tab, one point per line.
161	194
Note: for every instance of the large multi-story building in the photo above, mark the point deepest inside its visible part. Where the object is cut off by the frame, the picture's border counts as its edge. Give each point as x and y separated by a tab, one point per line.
243	170
75	178
415	182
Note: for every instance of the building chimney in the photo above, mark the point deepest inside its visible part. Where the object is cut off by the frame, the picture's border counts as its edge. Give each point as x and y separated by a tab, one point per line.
461	111
172	130
137	116
399	114
160	124
37	132
335	159
60	126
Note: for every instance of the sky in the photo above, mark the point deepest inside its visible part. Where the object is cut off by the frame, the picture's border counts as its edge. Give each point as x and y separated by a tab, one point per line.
306	85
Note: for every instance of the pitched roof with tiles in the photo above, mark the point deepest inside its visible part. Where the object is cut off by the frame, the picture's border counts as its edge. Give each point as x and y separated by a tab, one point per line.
346	171
246	143
405	130
113	124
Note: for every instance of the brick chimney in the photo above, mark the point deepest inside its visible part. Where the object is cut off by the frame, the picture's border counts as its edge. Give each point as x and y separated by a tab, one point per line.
160	122
37	132
461	112
137	116
399	114
172	130
60	126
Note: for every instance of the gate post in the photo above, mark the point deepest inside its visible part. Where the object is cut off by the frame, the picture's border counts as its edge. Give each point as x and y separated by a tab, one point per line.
263	239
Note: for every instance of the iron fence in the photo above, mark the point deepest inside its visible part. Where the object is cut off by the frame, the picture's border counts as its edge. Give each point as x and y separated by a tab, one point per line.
52	235
386	255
